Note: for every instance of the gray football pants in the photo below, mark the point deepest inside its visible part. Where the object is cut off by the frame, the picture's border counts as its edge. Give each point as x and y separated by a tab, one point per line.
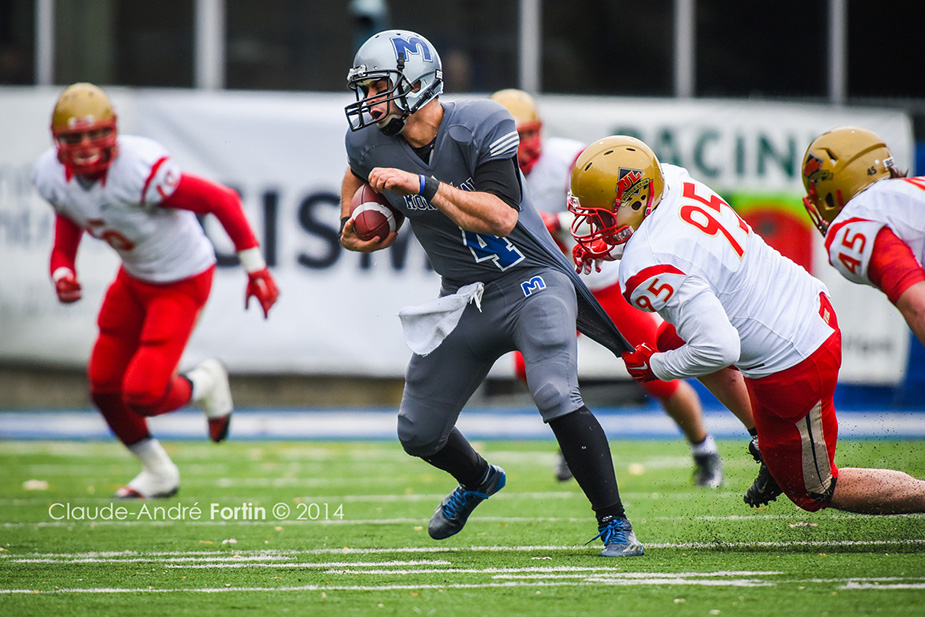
532	311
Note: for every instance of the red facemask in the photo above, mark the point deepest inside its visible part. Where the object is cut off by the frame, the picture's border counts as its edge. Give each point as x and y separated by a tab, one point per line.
531	146
87	150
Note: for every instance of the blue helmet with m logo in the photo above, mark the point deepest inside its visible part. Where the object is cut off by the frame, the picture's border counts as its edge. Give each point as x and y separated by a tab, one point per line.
413	68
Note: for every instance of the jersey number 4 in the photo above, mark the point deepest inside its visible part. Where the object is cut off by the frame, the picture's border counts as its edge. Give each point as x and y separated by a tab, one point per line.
707	218
487	247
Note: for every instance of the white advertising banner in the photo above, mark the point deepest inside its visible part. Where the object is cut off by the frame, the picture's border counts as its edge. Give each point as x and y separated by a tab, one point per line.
337	312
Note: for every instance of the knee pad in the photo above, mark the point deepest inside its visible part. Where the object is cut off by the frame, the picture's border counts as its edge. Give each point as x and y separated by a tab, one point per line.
550	399
144	399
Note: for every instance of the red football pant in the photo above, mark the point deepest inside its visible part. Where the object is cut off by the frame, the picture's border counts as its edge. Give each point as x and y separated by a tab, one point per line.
637	327
797	428
795	417
144	329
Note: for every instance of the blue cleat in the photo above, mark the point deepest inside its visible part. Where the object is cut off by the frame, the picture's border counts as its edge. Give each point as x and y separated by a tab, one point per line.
619	539
450	516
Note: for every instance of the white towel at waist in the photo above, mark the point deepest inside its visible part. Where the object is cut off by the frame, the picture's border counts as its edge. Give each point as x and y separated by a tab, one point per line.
426	325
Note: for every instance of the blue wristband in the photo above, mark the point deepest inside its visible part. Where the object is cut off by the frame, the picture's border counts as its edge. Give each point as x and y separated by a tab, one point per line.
423	184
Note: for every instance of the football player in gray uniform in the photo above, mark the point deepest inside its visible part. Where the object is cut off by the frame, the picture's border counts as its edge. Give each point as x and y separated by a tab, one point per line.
451	168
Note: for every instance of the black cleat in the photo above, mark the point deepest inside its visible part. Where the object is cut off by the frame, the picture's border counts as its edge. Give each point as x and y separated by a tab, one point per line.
453	512
764	489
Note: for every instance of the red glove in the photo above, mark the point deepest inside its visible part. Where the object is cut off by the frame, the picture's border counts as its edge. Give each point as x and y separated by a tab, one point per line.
638	365
261	285
66	286
585	259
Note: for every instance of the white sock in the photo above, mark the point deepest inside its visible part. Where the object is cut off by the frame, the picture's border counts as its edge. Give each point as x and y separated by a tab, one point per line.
707	446
152	456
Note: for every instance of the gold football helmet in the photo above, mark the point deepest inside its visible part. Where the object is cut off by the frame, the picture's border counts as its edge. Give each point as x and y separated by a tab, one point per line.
528	123
838	165
83	125
521	106
616	183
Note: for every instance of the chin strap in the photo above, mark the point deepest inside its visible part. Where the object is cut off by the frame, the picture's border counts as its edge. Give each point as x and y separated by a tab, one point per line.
394	125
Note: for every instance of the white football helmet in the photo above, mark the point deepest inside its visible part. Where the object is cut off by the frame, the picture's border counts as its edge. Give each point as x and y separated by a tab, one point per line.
413	68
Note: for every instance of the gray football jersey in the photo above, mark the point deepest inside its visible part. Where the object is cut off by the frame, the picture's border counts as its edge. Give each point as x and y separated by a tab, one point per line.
471	133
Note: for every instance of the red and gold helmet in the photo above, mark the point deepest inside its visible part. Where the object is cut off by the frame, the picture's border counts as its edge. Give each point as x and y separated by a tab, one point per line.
616	182
838	165
529	126
83	125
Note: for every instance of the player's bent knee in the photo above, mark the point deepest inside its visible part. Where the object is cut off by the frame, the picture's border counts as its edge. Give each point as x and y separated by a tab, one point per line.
416	443
550	399
667	338
662	390
811	502
143	402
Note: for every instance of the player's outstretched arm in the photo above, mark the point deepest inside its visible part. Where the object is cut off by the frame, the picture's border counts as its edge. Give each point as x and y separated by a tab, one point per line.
206	197
912	306
894	270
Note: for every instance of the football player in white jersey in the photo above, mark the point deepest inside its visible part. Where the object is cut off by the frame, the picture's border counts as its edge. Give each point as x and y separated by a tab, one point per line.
547	167
872	216
733	301
128	192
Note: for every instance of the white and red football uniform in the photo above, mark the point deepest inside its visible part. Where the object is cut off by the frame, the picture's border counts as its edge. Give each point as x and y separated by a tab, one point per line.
878	238
736	301
145	209
123	209
550	175
548	183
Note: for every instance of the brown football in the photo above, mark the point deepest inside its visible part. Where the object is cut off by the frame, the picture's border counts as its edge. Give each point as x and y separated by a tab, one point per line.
373	216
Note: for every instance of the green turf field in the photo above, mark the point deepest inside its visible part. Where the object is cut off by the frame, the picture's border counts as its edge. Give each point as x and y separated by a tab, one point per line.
349	537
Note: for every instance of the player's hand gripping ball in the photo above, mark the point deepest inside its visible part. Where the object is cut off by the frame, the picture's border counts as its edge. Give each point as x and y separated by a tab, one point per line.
373	216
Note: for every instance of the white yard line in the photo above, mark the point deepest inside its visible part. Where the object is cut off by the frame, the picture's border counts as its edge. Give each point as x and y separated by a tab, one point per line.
590	576
117	556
